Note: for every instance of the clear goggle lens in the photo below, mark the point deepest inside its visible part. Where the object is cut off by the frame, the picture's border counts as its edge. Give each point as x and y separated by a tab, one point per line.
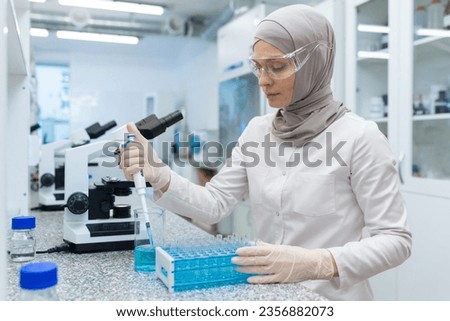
281	67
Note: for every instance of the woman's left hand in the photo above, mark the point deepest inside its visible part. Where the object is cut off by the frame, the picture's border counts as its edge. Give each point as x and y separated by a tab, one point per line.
284	263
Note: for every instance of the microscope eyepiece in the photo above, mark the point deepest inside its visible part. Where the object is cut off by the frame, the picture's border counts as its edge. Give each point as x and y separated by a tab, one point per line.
34	127
109	125
151	127
96	130
172	118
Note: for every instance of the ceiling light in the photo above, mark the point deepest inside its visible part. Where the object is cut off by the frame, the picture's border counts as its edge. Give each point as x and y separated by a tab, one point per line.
38	32
373	54
115	6
373	28
40	1
433	32
101	37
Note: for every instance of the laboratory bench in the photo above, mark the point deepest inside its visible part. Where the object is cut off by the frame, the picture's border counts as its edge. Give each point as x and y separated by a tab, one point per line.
110	276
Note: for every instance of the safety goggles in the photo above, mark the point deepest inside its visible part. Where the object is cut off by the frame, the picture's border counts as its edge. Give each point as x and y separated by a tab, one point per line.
281	67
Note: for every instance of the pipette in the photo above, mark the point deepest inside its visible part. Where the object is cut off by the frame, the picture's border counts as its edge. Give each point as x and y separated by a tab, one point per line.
140	185
150	127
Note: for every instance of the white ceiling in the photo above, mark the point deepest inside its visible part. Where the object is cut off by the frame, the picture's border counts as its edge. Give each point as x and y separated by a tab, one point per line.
193	17
202	15
183	7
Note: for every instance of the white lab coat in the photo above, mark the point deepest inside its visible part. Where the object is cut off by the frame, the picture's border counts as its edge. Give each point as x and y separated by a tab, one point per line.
314	198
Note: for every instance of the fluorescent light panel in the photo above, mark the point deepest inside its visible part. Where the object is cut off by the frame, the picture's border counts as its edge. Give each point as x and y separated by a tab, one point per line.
39	1
115	6
433	32
373	54
372	28
100	37
38	32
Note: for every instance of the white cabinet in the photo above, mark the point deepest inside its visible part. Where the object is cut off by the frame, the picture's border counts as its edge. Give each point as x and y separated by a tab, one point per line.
234	43
388	53
412	71
334	11
424	142
17	107
426	168
368	60
14	118
3	122
234	47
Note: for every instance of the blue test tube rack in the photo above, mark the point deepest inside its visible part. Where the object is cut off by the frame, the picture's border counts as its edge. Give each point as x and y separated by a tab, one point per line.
183	268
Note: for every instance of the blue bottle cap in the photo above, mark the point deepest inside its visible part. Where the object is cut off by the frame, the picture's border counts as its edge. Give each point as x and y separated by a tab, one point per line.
38	275
23	222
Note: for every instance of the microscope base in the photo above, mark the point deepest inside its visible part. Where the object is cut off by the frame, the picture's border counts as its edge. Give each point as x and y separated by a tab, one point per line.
50	208
102	235
53	201
100	247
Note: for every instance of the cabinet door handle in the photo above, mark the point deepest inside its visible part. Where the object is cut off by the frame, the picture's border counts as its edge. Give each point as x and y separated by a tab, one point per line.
401	158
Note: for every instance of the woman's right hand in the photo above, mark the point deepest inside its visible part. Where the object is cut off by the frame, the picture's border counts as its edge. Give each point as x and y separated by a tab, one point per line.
140	156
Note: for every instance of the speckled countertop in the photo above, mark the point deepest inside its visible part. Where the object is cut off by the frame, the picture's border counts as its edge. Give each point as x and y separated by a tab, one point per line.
110	276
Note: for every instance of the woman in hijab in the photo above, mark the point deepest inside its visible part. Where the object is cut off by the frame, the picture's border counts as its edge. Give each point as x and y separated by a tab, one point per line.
322	181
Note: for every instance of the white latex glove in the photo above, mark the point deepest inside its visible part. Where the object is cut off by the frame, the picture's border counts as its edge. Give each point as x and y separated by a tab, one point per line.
140	155
284	263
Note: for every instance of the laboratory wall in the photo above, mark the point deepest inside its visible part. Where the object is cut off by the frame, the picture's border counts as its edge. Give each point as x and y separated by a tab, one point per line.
110	82
114	88
198	79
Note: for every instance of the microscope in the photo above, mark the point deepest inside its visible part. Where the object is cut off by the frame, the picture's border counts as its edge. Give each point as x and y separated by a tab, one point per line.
52	164
99	217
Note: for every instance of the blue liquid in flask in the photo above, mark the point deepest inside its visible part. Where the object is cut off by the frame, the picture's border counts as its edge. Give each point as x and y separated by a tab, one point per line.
144	258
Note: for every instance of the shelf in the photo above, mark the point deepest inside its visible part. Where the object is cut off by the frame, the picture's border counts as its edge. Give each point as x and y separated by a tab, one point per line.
432	117
16	58
379	55
433	33
372	28
379	120
383	55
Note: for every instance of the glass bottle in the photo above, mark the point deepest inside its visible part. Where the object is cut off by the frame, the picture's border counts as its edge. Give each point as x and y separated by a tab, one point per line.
22	245
418	108
420	19
440	104
435	15
38	282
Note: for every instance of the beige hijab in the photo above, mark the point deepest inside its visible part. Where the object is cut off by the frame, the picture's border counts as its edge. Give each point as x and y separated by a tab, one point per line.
312	108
